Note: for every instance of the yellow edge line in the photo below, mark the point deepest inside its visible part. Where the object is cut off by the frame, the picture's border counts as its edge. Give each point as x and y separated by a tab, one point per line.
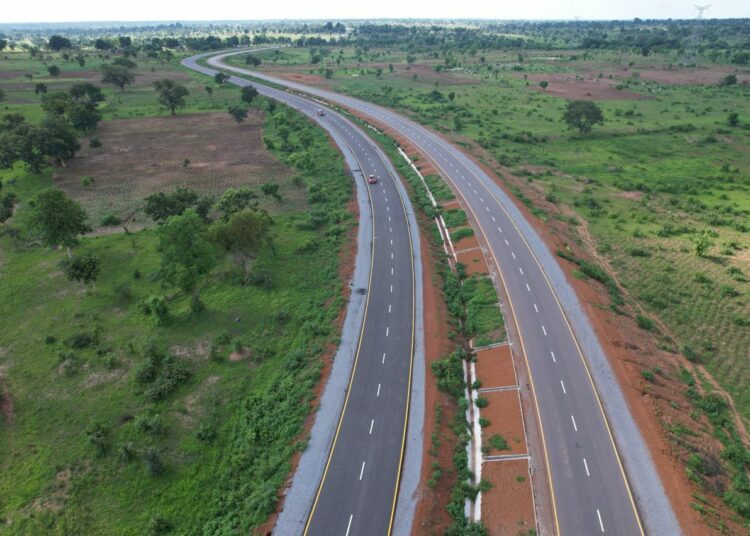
359	345
580	354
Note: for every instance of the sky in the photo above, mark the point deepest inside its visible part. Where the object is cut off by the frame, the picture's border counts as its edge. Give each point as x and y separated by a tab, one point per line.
169	10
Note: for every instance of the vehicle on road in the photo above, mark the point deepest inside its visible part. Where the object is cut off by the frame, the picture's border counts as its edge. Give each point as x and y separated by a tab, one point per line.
372	179
321	113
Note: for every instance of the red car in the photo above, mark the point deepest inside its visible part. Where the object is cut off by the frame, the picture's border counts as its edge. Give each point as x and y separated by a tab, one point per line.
372	179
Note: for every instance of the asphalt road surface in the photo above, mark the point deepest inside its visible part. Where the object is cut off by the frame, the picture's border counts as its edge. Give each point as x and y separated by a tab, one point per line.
591	494
359	488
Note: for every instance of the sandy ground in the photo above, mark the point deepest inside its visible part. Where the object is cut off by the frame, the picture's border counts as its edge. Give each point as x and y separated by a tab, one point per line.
494	367
141	156
507	508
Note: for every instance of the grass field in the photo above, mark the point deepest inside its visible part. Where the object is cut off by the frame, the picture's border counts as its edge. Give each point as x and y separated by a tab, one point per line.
667	166
86	446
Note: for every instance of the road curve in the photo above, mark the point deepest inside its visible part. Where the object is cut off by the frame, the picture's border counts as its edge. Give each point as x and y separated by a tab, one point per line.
590	490
359	486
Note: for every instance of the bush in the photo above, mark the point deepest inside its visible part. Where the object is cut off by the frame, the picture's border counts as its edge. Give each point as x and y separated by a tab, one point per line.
498	442
152	462
481	402
645	323
156	306
159	525
79	341
647	375
95	143
110	220
87	181
97	436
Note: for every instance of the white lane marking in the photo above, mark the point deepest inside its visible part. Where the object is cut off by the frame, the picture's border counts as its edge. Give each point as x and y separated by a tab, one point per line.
493	218
391	271
390	229
391	288
389	307
378	390
520	270
514	256
528	287
386	199
553	356
599	515
563	387
372	423
586	466
384	358
476	192
574	423
387	330
391	255
544	330
361	471
506	242
481	199
349	526
536	308
499	229
388	209
391	241
487	209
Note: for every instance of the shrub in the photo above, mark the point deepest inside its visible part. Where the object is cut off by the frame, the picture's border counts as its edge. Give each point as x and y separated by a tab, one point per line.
481	402
50	339
728	291
126	452
97	436
87	181
95	143
81	340
152	462
645	323
498	442
159	525
110	220
484	423
647	375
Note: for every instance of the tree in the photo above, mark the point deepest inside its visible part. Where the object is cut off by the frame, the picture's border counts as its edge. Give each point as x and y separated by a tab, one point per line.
125	41
58	42
252	60
271	189
58	219
728	80
117	75
733	119
582	115
56	139
186	252
701	243
544	84
161	206
2	95
84	269
235	199
53	70
102	44
244	234
239	113
3	44
40	88
220	78
171	94
210	91
248	94
86	92
125	62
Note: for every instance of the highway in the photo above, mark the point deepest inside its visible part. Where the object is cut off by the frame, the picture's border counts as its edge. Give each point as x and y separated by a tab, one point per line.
358	491
590	491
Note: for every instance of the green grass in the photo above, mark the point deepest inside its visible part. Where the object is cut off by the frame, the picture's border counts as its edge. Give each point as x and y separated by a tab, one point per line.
247	412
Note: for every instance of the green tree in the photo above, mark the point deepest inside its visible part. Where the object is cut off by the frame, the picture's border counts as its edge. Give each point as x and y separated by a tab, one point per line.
186	252
160	206
84	269
171	94
125	62
53	70
235	199
544	84
220	78
117	75
728	80
238	113
55	138
733	119
209	91
2	95
40	88
701	243
271	189
58	42
248	94
244	234
582	115
86	92
58	219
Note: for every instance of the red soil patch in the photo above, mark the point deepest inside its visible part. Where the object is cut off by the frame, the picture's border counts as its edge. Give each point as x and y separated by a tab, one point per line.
575	87
474	261
431	516
451	204
469	242
504	413
494	367
508	507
